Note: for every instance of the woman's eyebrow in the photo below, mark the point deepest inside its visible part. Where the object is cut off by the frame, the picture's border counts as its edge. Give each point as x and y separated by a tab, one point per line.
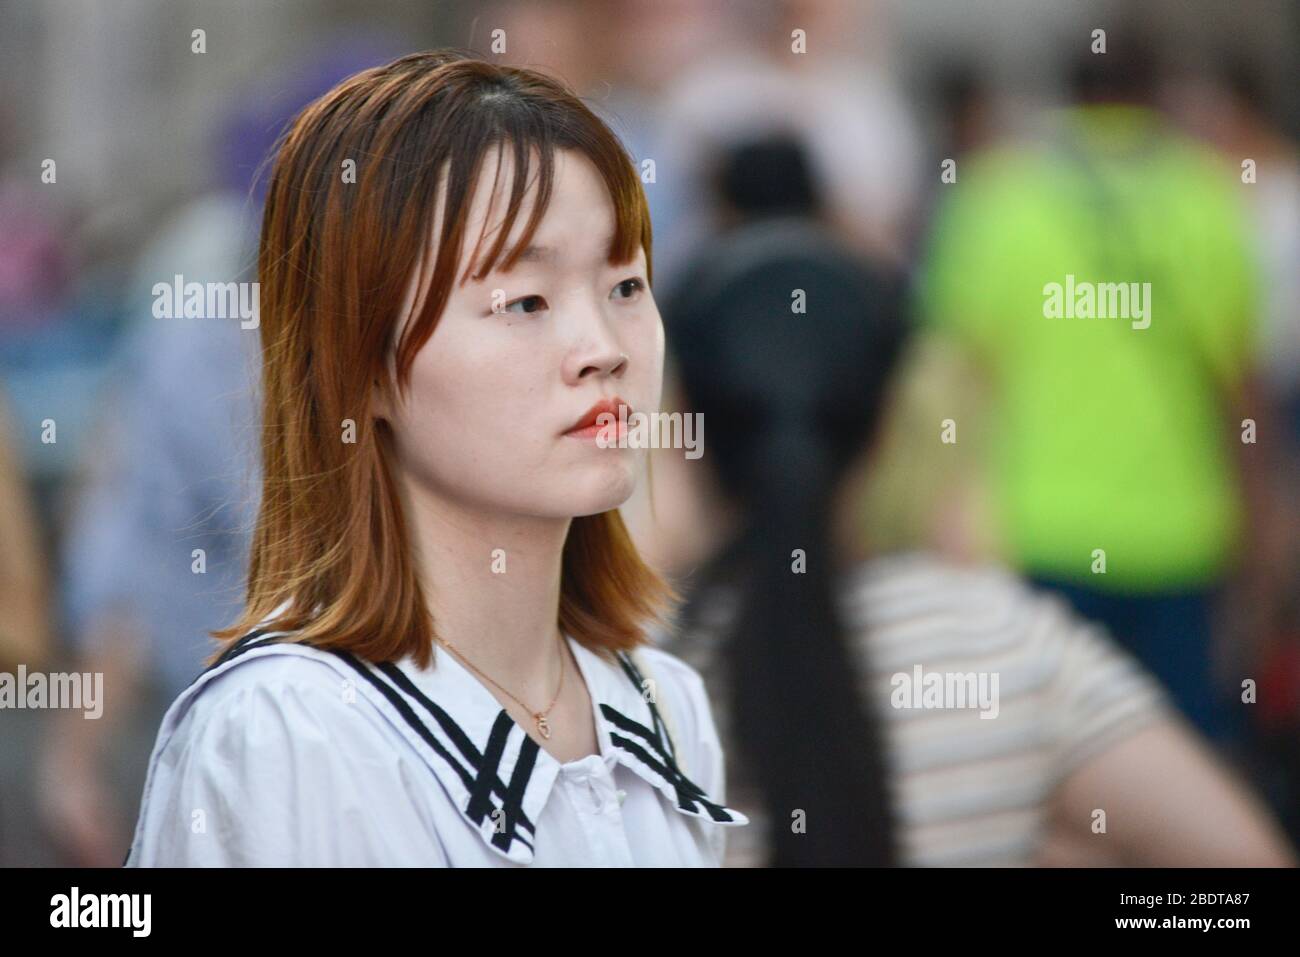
535	253
541	253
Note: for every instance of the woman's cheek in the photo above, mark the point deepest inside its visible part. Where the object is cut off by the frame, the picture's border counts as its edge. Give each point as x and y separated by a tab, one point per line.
652	367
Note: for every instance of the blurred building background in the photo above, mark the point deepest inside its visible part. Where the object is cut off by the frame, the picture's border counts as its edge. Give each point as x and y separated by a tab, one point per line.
128	440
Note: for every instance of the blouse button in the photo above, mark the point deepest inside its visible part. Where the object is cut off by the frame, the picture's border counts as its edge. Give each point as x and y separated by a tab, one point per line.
596	799
622	796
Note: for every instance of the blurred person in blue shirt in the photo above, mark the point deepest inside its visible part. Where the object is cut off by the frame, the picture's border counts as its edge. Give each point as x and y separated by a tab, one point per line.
156	554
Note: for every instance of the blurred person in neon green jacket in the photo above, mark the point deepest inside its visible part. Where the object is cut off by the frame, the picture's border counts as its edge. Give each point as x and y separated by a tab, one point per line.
1102	281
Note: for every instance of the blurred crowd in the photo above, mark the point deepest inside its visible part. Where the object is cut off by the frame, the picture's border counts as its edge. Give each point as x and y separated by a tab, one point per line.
1146	476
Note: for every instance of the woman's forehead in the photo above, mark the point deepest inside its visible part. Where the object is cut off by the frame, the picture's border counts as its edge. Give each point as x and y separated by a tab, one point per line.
578	225
578	221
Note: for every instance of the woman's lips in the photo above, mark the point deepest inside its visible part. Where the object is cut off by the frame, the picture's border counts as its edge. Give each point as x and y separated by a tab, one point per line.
607	417
615	430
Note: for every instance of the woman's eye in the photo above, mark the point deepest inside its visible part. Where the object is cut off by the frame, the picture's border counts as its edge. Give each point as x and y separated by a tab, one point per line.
630	287
537	302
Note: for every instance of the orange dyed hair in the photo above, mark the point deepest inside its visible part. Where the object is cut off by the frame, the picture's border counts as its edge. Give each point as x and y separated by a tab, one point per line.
334	266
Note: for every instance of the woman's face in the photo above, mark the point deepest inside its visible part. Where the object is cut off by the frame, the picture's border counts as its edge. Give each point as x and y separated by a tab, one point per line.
518	358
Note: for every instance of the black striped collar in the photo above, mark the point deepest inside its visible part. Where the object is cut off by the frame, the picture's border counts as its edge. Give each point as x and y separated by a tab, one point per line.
493	771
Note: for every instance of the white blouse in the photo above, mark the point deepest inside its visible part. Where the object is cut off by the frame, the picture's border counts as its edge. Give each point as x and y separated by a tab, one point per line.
284	755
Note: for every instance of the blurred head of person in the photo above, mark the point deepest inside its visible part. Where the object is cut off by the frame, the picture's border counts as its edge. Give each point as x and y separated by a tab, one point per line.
1127	72
1252	99
765	178
791	395
455	271
961	98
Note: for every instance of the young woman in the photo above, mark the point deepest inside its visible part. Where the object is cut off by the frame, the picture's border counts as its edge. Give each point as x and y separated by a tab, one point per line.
443	657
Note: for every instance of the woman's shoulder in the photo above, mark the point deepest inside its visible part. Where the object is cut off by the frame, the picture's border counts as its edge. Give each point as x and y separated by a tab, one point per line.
682	695
277	690
919	577
680	684
915	595
264	660
674	668
270	749
683	701
276	664
920	610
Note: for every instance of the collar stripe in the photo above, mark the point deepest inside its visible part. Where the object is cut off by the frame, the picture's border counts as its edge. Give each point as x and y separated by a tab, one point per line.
639	683
688	792
247	643
648	751
513	803
445	721
624	723
240	646
480	793
407	714
487	782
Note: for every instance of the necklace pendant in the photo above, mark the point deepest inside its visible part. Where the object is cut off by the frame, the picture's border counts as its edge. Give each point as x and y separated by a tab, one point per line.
544	727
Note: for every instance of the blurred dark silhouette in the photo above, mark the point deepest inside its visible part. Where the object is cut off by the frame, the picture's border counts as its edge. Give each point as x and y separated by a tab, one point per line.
795	418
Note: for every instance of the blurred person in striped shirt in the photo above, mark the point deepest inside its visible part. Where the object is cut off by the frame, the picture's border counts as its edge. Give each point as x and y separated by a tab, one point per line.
838	687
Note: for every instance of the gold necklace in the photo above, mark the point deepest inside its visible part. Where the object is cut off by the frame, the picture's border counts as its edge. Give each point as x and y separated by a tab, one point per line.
539	717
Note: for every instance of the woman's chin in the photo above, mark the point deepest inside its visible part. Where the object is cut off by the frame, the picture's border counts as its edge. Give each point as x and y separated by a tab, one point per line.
605	488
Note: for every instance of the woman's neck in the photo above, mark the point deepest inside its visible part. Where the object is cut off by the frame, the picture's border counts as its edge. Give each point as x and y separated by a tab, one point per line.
492	583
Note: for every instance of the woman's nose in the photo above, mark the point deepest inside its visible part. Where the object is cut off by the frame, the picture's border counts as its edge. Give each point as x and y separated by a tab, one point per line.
597	351
609	362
